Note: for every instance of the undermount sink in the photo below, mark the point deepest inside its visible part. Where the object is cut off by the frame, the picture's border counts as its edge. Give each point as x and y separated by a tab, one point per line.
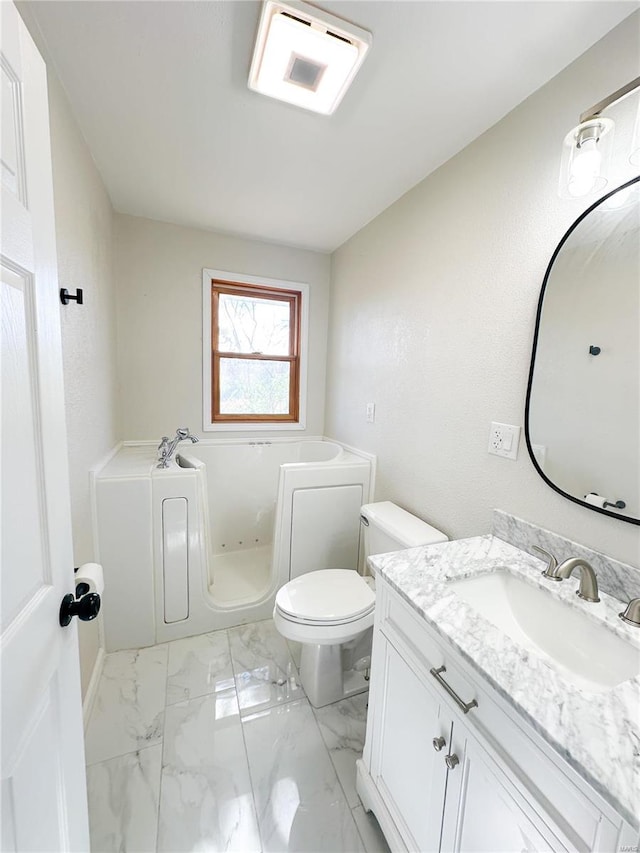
590	655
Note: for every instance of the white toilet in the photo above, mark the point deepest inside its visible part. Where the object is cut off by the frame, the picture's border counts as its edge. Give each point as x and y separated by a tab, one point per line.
331	611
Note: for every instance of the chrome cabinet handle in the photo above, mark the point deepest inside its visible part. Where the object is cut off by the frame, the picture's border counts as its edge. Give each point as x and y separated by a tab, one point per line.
451	761
465	707
439	743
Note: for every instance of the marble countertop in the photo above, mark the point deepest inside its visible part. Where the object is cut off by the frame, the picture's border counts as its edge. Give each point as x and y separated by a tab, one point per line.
597	733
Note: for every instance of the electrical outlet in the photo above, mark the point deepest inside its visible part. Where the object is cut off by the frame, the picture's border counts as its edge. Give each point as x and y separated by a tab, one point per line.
504	440
371	413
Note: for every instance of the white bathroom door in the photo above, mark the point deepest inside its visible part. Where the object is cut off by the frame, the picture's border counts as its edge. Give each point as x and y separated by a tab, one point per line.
43	788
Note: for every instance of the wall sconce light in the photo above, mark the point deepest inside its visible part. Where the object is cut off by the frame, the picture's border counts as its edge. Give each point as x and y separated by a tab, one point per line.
586	150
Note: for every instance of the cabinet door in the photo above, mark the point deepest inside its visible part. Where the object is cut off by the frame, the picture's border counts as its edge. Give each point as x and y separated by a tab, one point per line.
409	773
484	813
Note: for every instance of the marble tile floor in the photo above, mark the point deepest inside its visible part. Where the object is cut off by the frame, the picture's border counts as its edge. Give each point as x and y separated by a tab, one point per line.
209	744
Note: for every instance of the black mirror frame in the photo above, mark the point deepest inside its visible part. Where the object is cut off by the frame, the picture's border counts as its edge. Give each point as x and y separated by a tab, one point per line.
557	489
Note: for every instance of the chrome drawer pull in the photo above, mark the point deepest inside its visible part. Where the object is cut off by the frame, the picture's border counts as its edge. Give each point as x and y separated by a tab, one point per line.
465	707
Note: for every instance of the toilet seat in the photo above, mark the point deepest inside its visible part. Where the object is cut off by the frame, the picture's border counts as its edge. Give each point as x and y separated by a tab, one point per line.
326	607
326	597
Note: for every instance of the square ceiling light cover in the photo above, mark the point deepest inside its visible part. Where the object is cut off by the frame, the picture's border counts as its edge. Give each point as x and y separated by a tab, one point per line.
306	56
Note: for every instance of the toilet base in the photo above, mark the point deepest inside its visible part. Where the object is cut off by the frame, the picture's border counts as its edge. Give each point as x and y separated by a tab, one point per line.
322	672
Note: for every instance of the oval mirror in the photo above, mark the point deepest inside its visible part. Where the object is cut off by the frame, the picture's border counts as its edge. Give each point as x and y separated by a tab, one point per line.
582	419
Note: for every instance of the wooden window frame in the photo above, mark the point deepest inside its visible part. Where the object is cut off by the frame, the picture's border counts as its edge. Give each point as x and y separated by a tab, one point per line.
258	291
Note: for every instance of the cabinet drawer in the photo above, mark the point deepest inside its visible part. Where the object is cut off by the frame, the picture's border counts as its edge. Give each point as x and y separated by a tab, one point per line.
555	792
402	625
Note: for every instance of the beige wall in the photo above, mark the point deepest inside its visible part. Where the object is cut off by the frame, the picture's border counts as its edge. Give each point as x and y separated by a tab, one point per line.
432	317
84	241
159	280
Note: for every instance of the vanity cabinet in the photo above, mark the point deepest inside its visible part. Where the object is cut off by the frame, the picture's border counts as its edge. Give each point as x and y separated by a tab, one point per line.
440	778
482	811
409	771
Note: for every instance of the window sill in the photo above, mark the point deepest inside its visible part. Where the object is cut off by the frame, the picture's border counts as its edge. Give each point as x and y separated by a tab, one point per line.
254	426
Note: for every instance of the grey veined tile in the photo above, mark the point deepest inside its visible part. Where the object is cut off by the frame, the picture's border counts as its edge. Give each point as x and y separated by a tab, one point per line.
197	666
296	652
123	795
301	806
265	673
343	726
206	802
370	832
129	709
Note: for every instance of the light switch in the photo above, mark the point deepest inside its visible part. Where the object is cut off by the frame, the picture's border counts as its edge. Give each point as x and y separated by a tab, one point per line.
371	413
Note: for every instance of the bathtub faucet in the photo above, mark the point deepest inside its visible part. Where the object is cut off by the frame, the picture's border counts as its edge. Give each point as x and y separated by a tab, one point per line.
167	446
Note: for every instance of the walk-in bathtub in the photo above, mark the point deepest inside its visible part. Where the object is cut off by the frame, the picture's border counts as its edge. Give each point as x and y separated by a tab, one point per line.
207	542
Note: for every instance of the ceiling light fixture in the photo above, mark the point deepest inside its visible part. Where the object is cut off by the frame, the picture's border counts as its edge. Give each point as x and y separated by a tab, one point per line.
306	56
586	150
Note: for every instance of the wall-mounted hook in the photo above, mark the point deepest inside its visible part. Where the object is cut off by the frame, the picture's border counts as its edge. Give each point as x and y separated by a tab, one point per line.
594	350
66	297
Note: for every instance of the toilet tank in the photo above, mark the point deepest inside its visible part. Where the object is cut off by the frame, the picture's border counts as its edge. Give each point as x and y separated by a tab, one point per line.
388	527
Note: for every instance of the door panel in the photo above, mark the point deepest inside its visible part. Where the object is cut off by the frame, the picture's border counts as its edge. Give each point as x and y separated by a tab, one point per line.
175	559
12	176
34	780
21	458
43	785
483	812
408	770
325	529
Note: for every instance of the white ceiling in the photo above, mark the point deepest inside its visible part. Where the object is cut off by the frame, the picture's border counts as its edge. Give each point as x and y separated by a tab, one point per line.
160	92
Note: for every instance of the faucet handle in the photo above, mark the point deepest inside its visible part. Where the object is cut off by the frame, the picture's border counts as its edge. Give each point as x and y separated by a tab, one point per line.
631	614
550	571
184	433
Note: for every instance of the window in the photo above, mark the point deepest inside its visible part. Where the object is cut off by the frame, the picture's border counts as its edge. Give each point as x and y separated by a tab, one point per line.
254	352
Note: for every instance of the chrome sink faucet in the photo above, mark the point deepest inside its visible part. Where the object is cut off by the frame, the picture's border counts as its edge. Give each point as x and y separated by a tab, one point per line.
588	589
167	446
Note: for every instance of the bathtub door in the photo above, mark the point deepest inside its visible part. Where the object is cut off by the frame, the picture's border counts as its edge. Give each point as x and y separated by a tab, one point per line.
44	803
325	528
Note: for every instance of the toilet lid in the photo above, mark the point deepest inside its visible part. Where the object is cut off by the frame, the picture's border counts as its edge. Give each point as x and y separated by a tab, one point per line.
330	595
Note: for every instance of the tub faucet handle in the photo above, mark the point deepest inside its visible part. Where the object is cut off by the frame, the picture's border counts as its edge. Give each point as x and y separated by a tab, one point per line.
184	433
